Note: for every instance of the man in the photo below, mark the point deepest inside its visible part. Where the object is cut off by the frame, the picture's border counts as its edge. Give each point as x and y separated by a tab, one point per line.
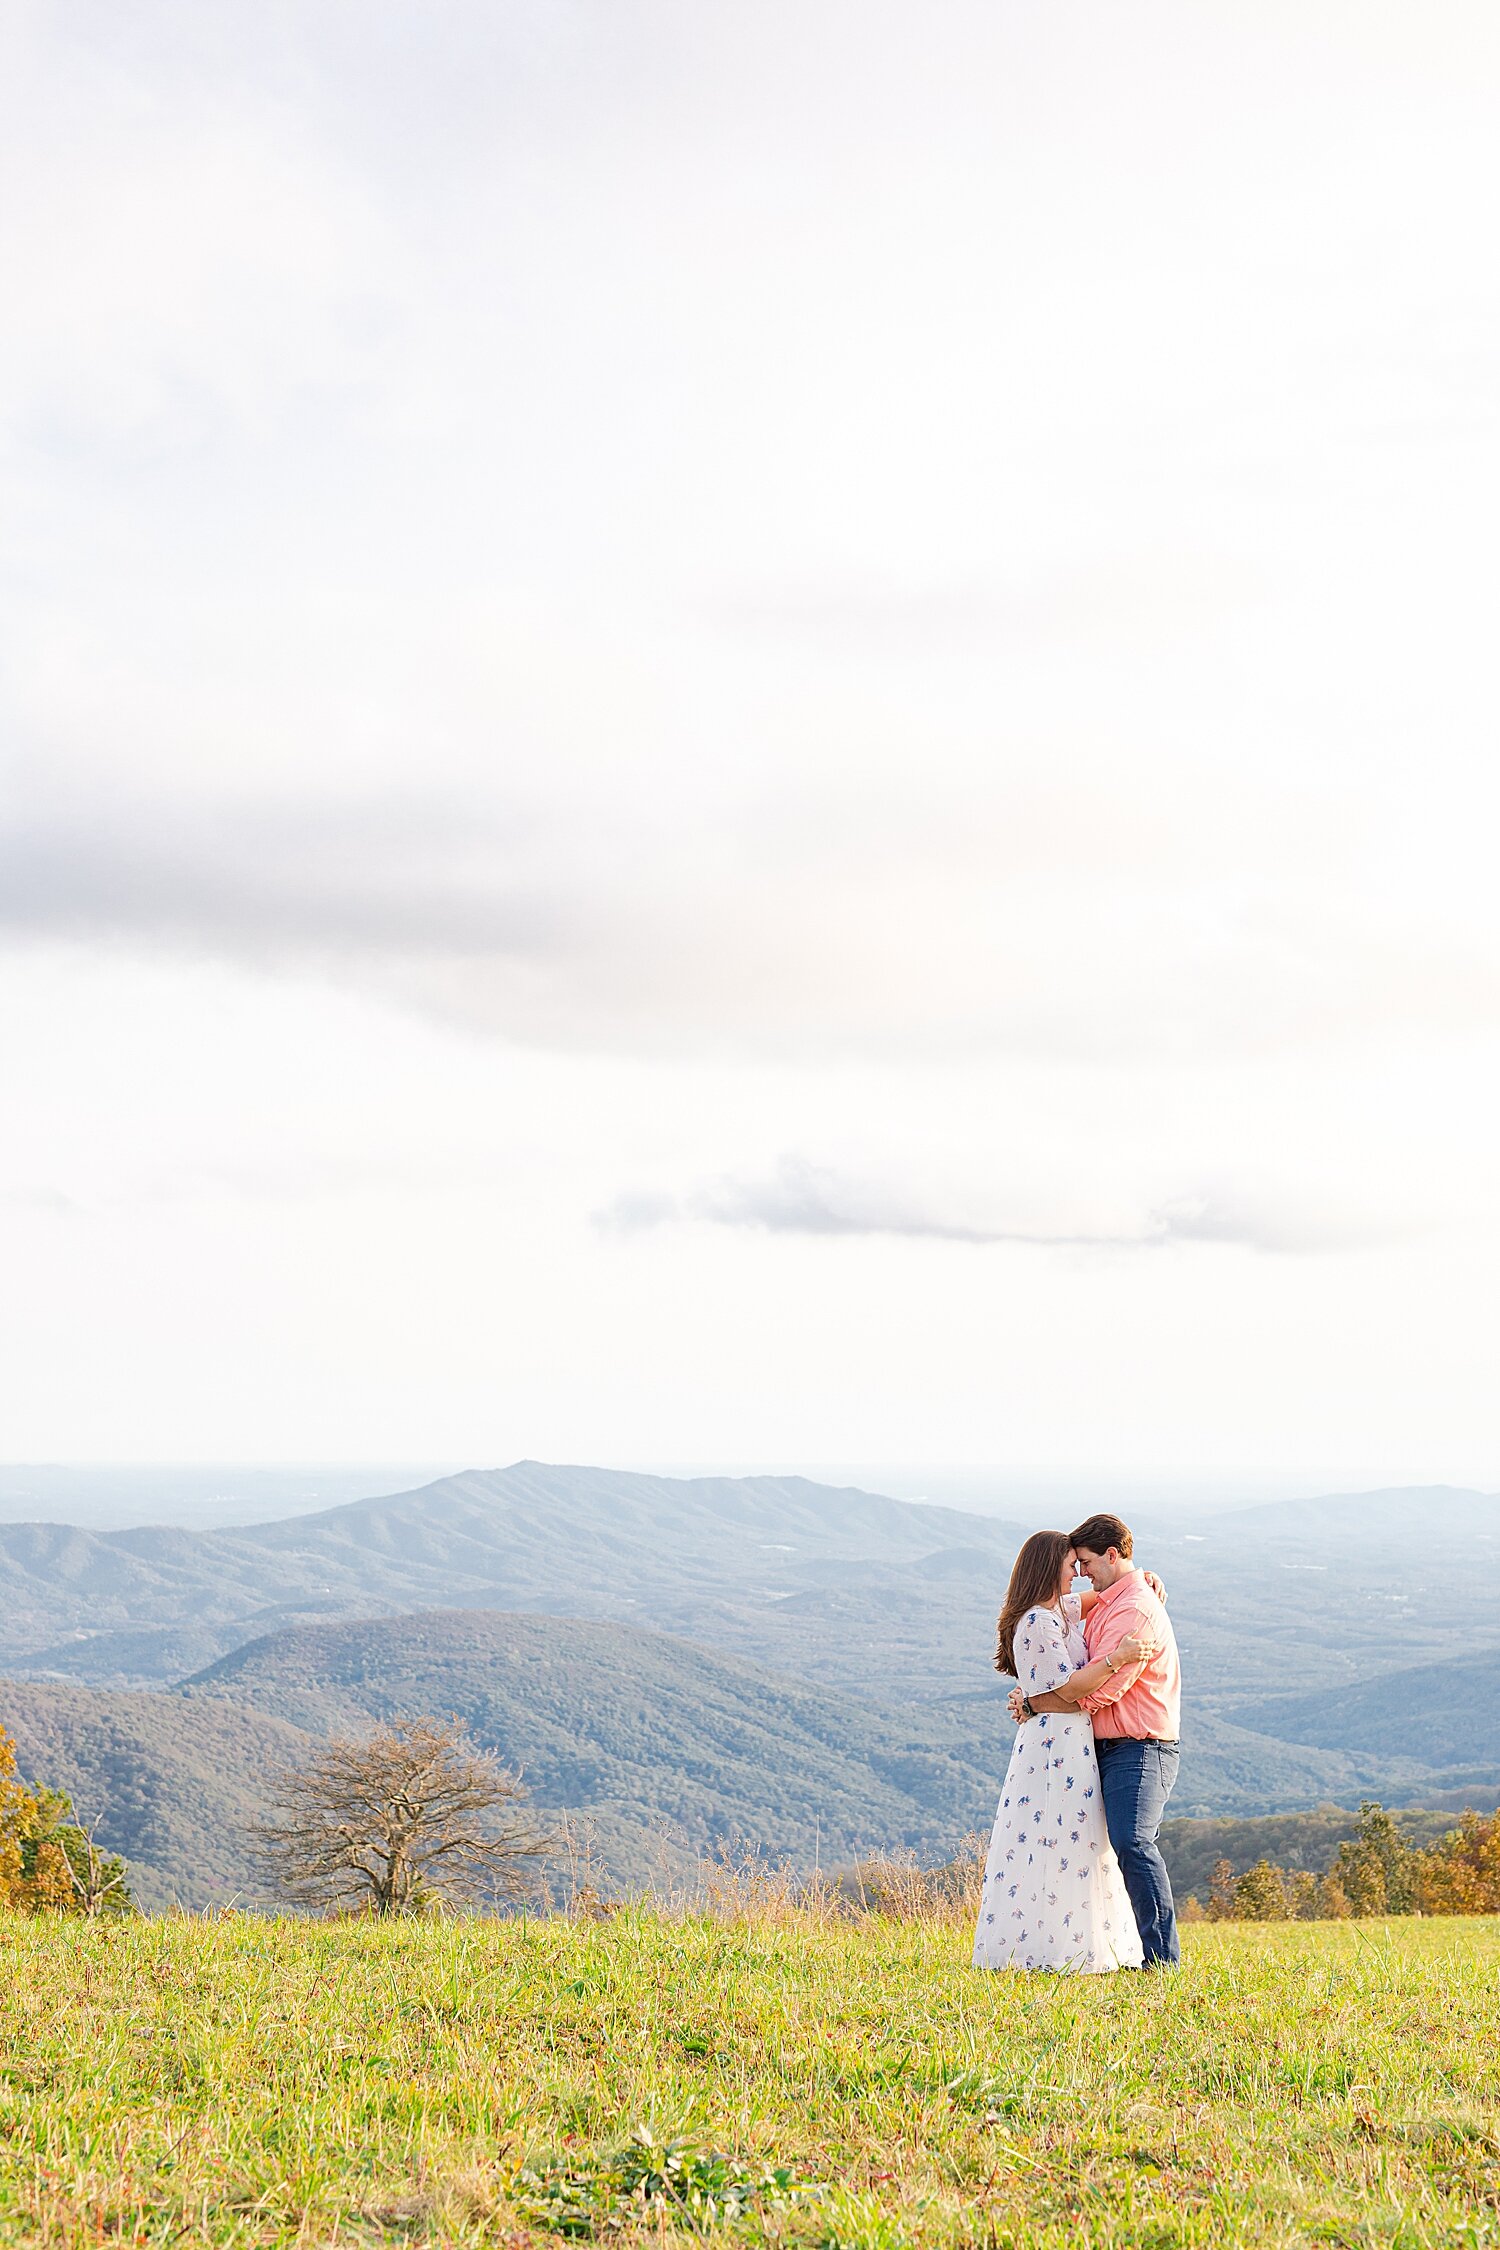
1136	1717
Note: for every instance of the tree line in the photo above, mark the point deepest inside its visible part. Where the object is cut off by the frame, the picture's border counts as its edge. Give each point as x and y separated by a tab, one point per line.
1375	1872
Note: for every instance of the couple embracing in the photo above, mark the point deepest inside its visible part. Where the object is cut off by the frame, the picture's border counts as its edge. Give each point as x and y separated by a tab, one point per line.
1074	1879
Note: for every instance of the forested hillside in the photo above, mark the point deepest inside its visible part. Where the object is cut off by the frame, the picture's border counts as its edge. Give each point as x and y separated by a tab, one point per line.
663	1749
1442	1713
639	1730
166	1784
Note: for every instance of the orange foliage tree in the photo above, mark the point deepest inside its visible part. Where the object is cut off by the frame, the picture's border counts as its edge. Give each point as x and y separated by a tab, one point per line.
49	1864
1461	1875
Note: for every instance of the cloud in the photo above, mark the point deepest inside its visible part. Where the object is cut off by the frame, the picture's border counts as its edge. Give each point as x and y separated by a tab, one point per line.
449	558
634	912
47	1200
864	619
799	1197
867	618
405	873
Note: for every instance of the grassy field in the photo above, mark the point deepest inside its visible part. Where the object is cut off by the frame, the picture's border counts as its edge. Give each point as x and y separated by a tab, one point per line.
251	2082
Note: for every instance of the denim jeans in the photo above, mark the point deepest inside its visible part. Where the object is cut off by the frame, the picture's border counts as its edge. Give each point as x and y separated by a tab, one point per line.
1136	1780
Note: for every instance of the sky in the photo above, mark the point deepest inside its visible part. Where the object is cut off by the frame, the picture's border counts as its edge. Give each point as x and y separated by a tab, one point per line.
751	733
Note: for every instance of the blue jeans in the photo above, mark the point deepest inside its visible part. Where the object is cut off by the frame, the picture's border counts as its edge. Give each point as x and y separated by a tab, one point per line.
1136	1780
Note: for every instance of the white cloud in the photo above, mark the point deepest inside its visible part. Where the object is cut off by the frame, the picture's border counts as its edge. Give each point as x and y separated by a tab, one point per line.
595	591
800	1197
1023	922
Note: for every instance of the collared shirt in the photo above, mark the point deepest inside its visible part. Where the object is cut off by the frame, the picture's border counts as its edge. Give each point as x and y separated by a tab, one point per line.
1143	1701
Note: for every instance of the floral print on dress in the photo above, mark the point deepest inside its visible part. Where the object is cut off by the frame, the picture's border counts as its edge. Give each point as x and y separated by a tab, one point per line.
1049	1829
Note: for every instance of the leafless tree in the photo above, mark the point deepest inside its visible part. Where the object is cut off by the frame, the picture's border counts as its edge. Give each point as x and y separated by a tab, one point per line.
393	1821
102	1882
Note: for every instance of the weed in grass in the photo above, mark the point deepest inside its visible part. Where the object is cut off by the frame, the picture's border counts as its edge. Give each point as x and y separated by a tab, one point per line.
649	2181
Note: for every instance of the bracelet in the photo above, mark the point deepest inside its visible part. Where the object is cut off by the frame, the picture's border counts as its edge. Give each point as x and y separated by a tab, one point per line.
1109	1663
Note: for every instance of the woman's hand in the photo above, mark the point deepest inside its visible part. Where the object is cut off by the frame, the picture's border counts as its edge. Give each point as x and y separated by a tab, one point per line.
1134	1649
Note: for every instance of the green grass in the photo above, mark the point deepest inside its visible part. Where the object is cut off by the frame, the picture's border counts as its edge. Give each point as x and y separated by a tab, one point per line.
860	2088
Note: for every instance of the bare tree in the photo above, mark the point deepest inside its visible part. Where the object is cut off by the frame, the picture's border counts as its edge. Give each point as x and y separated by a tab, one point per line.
101	1880
399	1818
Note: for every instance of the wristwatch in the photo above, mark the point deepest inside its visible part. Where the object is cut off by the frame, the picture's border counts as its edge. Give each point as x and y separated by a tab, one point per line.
1026	1707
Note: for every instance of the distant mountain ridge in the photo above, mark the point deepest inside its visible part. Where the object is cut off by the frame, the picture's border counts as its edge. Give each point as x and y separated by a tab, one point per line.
873	1596
712	1558
1285	1615
104	1496
1430	1509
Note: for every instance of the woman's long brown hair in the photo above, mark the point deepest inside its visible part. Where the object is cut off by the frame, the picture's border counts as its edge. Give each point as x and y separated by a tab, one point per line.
1034	1581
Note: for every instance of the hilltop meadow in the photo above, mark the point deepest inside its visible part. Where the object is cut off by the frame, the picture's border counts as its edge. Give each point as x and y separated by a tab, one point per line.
774	2078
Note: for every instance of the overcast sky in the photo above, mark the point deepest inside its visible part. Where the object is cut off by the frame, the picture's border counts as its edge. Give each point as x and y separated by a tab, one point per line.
751	732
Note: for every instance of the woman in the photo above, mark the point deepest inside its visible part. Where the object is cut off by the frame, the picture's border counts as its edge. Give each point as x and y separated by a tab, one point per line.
1054	1897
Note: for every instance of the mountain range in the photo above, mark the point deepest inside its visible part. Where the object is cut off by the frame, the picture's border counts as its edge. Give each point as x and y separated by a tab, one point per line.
883	1598
779	1569
697	1658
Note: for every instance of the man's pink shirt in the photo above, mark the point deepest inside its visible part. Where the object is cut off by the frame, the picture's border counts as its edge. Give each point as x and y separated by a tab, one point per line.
1140	1700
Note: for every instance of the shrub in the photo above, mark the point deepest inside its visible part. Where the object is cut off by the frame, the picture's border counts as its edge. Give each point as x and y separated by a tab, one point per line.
1302	1895
1221	1902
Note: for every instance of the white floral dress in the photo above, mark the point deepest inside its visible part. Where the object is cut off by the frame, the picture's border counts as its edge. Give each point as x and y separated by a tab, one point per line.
1054	1897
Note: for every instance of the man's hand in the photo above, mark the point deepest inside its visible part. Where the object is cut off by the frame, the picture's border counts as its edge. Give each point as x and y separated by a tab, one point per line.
1013	1705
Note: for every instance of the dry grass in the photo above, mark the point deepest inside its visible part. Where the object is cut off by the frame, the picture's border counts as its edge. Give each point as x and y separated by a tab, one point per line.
739	1884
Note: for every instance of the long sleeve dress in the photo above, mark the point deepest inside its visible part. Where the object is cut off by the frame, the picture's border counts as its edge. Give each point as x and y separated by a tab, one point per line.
1054	1897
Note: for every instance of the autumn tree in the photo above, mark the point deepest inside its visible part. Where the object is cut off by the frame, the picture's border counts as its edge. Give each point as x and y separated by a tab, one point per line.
1461	1874
1376	1866
1260	1894
49	1862
1221	1889
394	1822
1375	1872
1302	1894
17	1812
1333	1899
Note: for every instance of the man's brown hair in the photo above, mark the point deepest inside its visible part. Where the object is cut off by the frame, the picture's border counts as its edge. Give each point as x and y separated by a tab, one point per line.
1101	1533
